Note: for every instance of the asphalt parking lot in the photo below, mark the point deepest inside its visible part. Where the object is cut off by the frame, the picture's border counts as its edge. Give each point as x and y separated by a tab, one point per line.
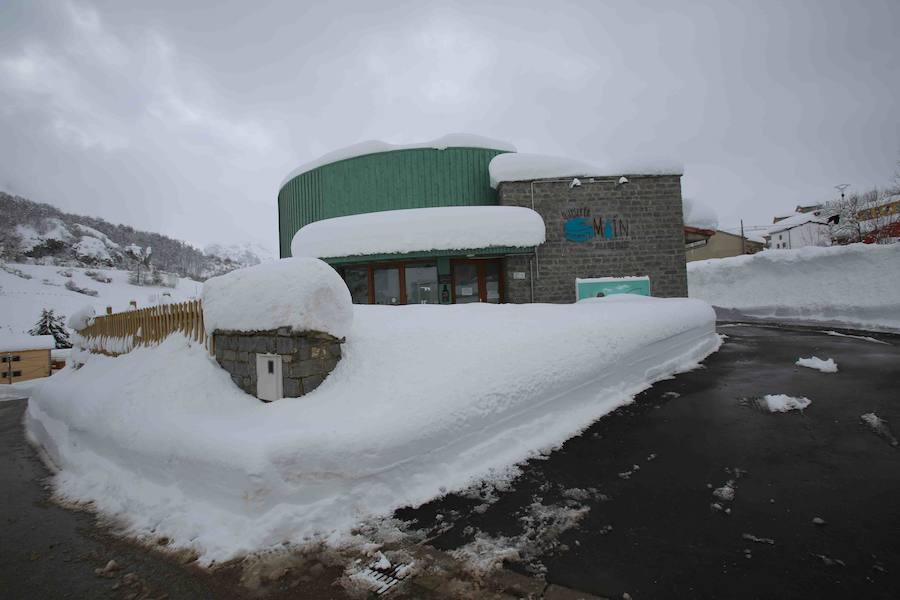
661	531
639	504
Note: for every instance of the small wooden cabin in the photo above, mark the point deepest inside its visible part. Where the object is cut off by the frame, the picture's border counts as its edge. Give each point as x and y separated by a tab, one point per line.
24	357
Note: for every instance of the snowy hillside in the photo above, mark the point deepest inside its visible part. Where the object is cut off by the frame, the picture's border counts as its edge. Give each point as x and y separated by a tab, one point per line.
26	289
856	286
36	233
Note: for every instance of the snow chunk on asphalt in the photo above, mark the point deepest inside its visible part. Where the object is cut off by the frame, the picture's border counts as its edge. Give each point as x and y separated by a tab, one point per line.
880	427
826	366
304	294
784	403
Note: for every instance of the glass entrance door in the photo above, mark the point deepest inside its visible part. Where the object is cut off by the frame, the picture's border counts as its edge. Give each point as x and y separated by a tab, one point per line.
477	281
465	283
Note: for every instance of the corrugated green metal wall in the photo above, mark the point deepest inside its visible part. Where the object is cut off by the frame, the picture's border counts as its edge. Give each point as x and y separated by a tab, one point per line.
414	178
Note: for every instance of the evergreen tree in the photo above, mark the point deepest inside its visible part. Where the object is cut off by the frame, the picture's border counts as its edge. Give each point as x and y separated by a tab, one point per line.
52	324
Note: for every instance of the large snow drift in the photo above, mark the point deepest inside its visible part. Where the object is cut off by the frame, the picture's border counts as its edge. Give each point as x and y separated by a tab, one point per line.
426	399
304	294
420	229
855	286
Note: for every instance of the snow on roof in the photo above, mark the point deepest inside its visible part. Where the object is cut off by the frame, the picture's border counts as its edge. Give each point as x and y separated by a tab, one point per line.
697	214
796	220
15	342
525	167
304	294
420	230
452	140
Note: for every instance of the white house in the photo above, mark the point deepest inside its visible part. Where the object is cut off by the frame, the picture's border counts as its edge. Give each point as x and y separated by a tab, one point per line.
798	230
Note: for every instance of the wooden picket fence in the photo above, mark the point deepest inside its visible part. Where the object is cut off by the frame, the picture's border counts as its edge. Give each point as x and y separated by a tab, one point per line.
117	333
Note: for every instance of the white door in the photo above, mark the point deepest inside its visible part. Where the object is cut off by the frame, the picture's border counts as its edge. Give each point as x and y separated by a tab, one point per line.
268	377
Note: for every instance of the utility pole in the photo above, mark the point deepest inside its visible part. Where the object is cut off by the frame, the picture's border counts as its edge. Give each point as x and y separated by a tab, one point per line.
841	187
743	239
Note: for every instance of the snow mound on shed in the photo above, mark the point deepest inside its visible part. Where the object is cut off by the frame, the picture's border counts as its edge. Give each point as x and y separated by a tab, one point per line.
304	294
857	286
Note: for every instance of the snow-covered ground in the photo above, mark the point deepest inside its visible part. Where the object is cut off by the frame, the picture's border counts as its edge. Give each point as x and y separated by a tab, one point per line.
427	399
21	299
855	286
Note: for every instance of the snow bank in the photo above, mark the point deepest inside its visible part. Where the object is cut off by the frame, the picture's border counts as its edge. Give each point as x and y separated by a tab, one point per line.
12	342
856	286
304	294
426	399
826	366
525	167
784	403
420	229
452	140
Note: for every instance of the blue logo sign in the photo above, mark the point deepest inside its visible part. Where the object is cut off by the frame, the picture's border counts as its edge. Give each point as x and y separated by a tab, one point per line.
581	227
578	230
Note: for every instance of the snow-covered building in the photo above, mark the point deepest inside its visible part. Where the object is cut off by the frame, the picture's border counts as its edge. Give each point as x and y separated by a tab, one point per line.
24	357
468	219
800	229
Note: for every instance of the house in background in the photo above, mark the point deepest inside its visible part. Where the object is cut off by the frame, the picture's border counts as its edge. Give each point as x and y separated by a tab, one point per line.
723	244
879	222
801	229
25	357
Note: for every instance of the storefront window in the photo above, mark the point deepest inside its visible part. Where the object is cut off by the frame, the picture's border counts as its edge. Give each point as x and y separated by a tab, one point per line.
387	285
421	284
466	275
357	279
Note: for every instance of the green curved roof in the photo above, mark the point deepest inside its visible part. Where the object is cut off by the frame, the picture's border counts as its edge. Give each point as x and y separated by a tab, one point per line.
416	177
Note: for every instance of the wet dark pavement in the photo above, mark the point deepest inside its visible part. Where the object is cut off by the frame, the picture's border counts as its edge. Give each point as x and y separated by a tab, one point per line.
666	539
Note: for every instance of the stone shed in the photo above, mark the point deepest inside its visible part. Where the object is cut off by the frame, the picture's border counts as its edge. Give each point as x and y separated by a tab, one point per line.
302	359
278	327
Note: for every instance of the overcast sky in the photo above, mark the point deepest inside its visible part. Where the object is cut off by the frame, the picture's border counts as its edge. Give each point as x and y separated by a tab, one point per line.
183	117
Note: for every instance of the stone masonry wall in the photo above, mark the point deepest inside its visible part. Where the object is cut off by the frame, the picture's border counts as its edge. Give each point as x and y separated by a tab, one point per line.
646	227
307	358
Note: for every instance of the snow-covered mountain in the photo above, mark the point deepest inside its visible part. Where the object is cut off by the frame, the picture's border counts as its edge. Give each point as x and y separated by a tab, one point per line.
246	254
34	233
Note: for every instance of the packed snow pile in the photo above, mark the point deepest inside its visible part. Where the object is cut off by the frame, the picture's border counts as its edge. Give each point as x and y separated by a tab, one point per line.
855	286
814	362
451	140
304	294
426	399
784	403
525	167
12	342
420	229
